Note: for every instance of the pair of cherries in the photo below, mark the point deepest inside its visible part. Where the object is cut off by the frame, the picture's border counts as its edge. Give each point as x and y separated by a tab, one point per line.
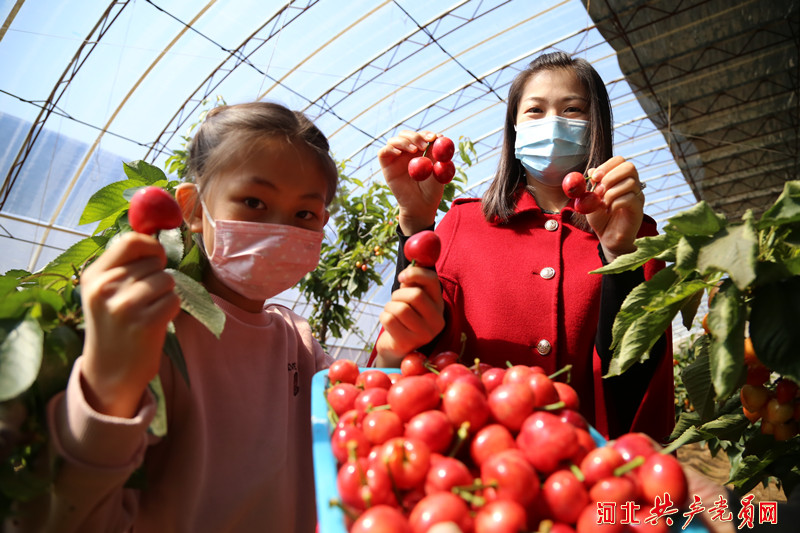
443	169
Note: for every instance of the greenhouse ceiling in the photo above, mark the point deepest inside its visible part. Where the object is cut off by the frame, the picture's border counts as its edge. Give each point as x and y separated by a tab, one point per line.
704	93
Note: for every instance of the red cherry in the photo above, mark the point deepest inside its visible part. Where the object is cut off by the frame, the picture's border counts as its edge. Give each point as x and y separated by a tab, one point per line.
588	203
463	403
381	425
785	390
406	460
369	399
381	519
443	359
501	516
342	396
600	463
446	473
545	440
443	149
568	395
565	495
437	508
433	428
444	171
423	248
489	441
574	185
420	168
510	404
153	209
492	378
662	473
413	364
631	445
344	371
373	378
511	477
413	395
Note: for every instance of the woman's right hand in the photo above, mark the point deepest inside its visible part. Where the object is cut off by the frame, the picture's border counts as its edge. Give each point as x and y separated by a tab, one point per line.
418	200
128	301
412	318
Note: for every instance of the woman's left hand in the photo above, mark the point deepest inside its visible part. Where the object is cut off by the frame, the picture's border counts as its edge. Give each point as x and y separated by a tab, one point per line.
617	222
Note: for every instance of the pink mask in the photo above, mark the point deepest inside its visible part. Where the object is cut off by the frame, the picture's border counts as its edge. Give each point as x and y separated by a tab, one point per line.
258	260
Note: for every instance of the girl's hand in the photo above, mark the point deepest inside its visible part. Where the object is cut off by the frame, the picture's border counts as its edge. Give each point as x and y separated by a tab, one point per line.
418	200
128	301
617	182
412	318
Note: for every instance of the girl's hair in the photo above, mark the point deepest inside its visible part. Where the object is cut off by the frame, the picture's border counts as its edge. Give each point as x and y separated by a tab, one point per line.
228	133
499	199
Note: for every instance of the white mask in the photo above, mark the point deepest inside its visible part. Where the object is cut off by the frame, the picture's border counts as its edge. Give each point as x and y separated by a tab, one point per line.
551	147
258	260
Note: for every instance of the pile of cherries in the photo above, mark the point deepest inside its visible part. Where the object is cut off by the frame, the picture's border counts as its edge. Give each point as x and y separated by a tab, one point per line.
487	449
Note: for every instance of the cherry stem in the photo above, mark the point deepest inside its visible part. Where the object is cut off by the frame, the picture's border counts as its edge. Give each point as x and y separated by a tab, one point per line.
461	434
337	503
576	470
553	406
398	496
431	367
470	497
630	465
565	368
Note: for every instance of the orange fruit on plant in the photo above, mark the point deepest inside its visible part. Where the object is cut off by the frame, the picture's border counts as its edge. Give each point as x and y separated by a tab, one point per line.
750	357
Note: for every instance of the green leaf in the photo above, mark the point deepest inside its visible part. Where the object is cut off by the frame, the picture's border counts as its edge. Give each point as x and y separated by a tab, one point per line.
646	249
685	430
143	171
733	250
699	219
191	264
677	293
108	201
689	309
196	301
172	241
773	326
158	426
686	253
645	325
20	356
786	209
696	378
726	321
72	258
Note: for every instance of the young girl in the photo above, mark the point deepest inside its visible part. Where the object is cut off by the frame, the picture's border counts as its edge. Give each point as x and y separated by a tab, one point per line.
513	275
237	453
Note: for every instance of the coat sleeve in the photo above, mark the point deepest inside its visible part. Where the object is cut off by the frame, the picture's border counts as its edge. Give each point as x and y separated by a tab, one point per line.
642	398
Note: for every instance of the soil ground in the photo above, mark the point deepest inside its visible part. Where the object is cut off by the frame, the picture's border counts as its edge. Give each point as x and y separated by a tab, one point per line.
698	457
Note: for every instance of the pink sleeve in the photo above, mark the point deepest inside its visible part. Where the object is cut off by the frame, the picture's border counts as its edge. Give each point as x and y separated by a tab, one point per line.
98	454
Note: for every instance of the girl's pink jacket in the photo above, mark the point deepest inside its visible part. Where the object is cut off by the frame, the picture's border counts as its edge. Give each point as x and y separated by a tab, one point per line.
237	453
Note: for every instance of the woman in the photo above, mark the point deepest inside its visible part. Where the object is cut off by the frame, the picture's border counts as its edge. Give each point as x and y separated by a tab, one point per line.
513	277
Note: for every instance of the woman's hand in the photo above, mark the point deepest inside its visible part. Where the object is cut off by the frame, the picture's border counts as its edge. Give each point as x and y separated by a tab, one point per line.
412	318
617	182
418	200
128	301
